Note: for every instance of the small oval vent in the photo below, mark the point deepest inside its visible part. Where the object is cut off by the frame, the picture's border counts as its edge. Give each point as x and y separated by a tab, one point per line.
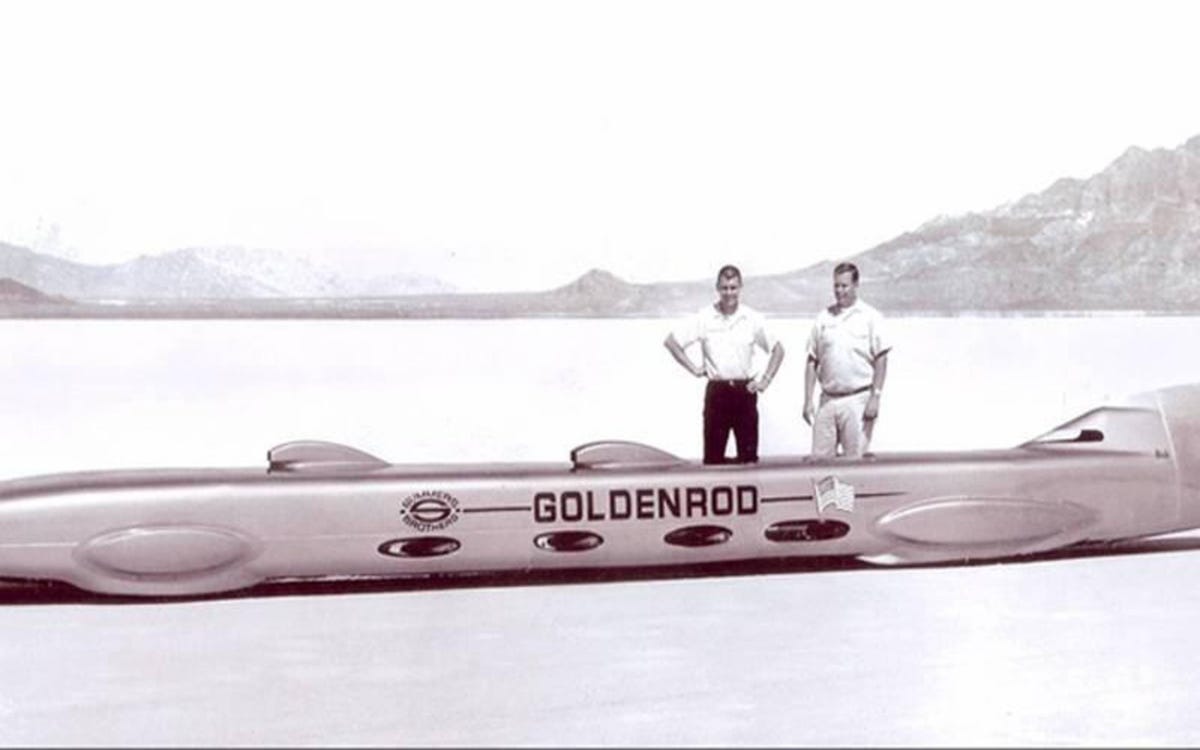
698	536
806	530
568	541
420	546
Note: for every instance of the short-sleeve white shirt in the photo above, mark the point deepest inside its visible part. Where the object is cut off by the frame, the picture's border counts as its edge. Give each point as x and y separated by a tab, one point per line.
846	345
727	341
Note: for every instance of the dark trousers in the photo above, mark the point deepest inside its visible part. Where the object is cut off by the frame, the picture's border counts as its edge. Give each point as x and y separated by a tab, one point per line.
729	406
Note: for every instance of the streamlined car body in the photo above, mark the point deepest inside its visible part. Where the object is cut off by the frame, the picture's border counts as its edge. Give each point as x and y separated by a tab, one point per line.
321	510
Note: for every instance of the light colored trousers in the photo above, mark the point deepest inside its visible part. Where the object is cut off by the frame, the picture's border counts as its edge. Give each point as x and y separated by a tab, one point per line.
839	419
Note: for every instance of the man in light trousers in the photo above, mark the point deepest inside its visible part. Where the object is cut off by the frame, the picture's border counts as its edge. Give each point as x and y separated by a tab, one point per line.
847	354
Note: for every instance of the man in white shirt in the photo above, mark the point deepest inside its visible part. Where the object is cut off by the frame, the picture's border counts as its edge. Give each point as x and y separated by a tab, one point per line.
847	353
728	332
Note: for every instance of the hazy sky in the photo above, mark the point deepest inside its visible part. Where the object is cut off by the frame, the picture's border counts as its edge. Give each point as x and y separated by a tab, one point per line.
518	144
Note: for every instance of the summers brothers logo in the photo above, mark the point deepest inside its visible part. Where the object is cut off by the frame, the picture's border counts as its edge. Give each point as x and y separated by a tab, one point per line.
429	511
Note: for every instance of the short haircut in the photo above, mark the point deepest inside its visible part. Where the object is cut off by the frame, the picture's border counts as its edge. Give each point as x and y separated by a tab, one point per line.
728	272
849	268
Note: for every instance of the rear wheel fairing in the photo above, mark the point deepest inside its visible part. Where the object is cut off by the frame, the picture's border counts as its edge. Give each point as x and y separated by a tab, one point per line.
971	522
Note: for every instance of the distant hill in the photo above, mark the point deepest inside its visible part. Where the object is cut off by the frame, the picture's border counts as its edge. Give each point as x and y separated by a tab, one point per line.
1127	238
15	293
288	275
204	273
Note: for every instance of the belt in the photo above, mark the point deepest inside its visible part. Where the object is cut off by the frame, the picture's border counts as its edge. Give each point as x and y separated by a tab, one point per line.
854	392
730	383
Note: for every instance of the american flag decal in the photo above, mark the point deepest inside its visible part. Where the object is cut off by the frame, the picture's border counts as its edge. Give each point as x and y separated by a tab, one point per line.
835	492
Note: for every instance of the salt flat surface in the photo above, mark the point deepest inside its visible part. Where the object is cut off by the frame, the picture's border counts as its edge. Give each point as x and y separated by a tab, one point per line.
1087	650
1092	651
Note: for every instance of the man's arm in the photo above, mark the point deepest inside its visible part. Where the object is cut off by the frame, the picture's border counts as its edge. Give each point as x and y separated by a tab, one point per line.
760	385
810	379
681	356
878	376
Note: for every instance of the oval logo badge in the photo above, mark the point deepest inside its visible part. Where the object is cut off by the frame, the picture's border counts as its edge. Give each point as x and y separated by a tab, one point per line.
420	546
429	511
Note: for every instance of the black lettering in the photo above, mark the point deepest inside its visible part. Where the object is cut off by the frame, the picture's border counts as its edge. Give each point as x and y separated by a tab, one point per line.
668	500
571	513
722	501
747	500
592	513
645	503
619	511
543	508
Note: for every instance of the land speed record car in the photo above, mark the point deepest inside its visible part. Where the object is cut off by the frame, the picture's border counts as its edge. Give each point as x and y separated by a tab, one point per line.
320	510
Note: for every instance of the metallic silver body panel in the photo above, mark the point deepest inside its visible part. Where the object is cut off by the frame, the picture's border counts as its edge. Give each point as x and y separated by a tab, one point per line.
320	510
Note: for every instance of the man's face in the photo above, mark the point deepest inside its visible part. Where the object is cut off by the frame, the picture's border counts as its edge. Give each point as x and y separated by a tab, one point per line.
729	288
845	289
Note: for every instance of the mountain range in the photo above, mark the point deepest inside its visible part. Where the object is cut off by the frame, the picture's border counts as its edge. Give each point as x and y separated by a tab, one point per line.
204	273
1126	238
